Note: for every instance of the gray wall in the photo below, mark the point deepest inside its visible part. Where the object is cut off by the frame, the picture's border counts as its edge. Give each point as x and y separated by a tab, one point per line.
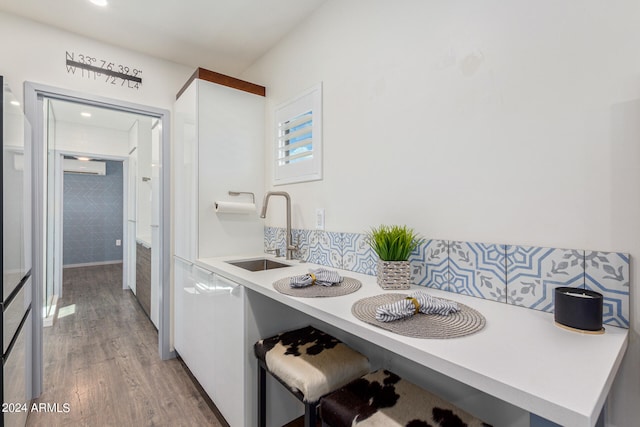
93	216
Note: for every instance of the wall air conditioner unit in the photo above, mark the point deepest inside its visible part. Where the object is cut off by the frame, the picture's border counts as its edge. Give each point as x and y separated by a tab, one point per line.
83	167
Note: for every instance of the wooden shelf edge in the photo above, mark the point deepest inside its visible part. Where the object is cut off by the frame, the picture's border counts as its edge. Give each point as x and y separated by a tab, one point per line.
221	79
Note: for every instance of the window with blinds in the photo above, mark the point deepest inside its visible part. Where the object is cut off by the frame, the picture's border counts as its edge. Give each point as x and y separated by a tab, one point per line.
298	145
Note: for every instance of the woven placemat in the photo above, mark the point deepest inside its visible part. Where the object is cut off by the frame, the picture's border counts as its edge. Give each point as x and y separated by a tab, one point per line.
347	286
465	322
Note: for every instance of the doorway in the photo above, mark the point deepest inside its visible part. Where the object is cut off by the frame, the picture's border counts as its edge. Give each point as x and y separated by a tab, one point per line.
47	272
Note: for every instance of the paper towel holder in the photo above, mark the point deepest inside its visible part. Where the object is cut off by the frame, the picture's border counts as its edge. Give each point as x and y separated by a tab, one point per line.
237	193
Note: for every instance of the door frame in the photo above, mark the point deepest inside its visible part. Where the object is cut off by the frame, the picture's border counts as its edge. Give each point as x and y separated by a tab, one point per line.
58	221
34	94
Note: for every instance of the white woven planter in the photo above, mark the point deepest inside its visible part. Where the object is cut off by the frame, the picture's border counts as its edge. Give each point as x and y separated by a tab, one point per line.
394	274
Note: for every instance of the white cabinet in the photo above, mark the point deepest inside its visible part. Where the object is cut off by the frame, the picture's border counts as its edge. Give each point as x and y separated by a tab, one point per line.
210	337
203	343
185	174
230	158
217	321
219	343
218	147
185	319
227	304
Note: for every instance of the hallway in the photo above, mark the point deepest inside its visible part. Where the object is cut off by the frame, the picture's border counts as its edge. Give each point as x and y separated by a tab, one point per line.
101	358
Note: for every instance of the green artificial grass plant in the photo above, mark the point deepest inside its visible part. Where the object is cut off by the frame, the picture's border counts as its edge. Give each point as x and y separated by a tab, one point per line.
393	242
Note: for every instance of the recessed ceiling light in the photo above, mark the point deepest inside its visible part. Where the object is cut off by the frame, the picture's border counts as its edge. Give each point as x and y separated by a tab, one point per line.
85	114
84	159
16	103
102	3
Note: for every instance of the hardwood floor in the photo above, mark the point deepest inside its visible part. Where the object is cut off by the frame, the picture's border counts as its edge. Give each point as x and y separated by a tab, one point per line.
101	358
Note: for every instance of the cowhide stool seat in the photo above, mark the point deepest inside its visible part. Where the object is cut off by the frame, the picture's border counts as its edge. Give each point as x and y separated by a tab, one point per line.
383	399
310	363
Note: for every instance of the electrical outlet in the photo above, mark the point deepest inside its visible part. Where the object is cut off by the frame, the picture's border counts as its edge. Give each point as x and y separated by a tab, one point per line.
320	219
118	242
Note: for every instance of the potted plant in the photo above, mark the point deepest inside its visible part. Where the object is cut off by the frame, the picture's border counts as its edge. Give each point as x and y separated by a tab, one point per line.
394	245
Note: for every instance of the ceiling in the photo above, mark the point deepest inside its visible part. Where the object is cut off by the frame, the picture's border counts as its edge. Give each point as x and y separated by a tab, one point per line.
226	36
71	112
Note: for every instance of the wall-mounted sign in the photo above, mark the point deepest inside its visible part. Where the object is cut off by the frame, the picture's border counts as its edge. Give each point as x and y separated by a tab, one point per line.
92	67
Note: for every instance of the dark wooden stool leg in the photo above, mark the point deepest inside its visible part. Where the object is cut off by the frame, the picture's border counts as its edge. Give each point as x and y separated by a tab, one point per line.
310	411
262	396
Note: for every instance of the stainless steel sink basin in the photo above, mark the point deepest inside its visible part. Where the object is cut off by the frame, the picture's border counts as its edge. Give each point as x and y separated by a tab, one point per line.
260	264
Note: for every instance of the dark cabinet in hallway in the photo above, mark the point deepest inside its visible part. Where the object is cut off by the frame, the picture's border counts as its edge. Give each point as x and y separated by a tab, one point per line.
143	277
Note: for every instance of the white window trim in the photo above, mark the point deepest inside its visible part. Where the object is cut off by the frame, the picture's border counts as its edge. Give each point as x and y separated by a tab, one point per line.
308	170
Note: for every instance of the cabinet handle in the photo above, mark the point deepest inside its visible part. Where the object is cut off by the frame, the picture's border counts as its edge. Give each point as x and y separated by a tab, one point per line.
234	288
209	273
203	288
184	261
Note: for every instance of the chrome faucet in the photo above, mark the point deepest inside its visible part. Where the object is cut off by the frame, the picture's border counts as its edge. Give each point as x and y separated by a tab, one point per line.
263	214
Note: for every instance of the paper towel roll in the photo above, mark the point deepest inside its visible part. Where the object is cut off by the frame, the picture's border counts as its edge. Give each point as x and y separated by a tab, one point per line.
235	207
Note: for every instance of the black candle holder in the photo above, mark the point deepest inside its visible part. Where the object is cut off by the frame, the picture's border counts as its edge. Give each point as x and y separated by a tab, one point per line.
578	309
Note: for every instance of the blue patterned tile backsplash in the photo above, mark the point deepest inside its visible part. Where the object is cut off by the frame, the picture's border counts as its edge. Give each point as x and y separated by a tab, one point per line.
357	255
478	270
533	273
430	264
608	273
525	276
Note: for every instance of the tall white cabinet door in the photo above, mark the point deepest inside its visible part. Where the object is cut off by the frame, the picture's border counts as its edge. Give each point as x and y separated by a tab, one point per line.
218	147
204	368
231	158
185	319
186	173
215	341
228	350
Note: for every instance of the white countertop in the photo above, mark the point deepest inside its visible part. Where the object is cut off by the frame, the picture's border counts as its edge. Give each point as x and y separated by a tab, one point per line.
520	356
144	240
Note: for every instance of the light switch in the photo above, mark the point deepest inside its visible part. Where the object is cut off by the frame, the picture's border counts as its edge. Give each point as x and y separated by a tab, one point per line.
118	242
319	218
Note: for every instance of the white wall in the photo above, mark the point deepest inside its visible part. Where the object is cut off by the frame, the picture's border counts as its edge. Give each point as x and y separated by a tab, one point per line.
35	52
508	122
78	138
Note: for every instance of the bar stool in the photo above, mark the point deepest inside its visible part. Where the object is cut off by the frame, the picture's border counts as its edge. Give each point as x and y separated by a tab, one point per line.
310	363
383	398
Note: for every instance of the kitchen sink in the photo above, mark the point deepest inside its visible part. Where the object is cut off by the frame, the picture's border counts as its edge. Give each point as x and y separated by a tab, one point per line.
259	264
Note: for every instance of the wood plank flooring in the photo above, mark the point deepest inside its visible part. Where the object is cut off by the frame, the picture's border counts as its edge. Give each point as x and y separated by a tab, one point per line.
101	357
